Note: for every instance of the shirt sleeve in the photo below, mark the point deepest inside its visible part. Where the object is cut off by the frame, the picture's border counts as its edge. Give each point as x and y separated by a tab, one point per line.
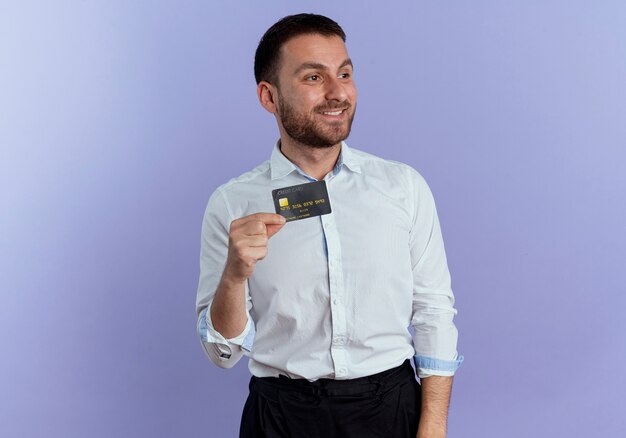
435	337
225	353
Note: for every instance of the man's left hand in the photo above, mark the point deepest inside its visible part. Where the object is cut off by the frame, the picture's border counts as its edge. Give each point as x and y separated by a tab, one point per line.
435	401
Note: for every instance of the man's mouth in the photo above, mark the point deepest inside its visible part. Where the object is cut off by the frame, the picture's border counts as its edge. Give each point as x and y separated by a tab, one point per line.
333	112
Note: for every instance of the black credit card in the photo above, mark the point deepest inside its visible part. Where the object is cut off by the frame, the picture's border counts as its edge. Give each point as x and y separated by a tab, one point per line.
302	201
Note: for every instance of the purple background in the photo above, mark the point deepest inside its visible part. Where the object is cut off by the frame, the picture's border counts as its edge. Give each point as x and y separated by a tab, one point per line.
118	120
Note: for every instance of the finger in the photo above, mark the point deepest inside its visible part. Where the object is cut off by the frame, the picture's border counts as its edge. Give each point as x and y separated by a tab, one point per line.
253	228
266	218
273	229
255	241
257	253
256	224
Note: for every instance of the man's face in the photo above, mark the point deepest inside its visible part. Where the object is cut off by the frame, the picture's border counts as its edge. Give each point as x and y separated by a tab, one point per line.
316	98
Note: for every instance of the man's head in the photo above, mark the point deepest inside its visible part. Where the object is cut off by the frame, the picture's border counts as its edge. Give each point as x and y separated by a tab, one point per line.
304	78
267	57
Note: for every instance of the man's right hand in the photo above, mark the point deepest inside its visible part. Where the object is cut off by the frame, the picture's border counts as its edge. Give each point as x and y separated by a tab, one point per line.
247	243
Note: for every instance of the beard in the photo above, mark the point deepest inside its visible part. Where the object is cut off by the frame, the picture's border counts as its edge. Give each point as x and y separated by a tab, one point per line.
307	131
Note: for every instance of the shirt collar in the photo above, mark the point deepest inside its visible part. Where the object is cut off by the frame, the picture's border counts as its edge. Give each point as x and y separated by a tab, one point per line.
281	166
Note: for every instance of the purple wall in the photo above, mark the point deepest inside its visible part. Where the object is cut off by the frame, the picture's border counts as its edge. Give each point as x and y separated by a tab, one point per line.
118	121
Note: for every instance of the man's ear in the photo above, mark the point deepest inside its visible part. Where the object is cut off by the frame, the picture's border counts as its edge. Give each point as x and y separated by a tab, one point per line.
267	93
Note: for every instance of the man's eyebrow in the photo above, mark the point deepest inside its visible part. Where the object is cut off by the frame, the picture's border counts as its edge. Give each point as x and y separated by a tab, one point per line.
317	66
345	63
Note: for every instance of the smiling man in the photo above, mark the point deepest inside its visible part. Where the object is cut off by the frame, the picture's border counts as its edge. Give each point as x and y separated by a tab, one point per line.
321	293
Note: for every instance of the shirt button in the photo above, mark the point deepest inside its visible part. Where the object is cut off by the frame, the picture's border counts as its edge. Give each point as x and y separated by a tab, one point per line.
339	340
342	372
336	301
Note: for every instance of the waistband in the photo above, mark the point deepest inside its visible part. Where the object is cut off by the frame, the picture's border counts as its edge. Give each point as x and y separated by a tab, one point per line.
331	387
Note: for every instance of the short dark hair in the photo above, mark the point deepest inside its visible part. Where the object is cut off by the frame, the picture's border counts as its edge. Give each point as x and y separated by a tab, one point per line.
267	57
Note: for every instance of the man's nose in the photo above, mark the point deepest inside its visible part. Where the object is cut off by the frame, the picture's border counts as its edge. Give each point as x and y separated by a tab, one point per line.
335	90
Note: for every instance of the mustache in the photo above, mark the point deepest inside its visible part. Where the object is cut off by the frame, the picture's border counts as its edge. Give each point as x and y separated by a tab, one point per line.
333	106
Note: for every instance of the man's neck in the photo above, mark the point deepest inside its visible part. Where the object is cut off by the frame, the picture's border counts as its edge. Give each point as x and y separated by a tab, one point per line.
316	162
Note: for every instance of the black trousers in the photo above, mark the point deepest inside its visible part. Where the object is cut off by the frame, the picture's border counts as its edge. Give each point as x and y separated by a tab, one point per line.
385	405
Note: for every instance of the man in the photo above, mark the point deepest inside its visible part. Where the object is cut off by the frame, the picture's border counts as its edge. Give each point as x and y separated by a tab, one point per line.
322	305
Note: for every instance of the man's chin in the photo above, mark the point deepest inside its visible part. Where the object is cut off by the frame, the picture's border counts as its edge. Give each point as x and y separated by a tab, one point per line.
336	136
321	138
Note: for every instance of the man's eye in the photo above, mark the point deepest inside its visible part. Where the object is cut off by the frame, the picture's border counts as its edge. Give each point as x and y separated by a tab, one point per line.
344	75
313	78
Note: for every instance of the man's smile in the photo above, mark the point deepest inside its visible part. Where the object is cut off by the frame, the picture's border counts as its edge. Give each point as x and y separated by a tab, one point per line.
335	114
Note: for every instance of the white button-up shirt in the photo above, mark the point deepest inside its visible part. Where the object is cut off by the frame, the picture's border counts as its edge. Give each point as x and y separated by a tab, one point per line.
336	293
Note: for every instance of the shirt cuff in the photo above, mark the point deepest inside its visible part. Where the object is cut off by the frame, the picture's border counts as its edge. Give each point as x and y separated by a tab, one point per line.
430	366
223	347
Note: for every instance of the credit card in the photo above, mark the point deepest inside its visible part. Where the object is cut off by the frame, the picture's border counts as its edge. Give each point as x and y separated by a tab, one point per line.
302	201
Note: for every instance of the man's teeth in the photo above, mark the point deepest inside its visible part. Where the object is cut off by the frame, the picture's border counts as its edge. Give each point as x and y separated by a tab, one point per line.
333	113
